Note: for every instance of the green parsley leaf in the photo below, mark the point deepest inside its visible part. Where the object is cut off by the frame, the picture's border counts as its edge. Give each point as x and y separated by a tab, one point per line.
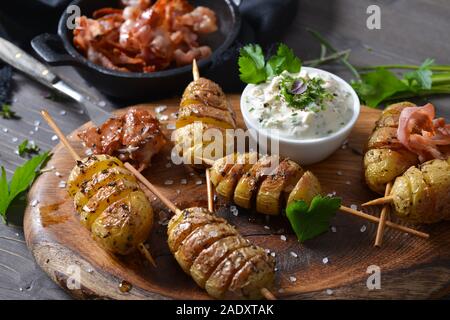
22	178
314	94
27	147
310	221
377	86
420	78
7	113
285	59
251	64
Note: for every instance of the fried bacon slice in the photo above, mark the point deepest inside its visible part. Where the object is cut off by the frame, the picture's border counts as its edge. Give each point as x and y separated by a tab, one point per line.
422	133
134	137
142	37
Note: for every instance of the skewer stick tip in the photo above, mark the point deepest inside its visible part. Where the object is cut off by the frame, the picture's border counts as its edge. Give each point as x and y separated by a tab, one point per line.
379	201
195	72
144	251
267	294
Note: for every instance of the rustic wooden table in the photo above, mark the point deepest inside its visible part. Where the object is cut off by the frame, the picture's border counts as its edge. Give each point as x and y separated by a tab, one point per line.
411	31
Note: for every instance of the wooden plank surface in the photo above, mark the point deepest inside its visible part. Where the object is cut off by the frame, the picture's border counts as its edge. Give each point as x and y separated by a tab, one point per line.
59	242
411	31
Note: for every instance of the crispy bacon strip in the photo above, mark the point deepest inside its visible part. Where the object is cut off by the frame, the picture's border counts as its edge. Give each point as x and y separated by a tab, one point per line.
143	37
424	135
135	137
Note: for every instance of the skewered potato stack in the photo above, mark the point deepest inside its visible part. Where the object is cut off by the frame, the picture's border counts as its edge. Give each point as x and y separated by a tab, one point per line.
422	195
386	158
110	203
203	106
242	179
219	260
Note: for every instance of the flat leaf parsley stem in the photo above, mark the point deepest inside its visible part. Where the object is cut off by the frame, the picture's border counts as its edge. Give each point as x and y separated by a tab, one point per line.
420	93
403	67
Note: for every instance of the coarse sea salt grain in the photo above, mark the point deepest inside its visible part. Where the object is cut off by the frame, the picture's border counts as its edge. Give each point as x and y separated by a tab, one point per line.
58	174
198	182
81	111
273	254
329	292
160	109
34	203
333	229
348	182
168	165
63	112
14	139
325	260
36	123
54	137
281	290
183	181
163	117
102	103
171	126
292	279
283	238
339	173
354	207
62	184
173	115
168	182
293	254
5	130
267	227
363	228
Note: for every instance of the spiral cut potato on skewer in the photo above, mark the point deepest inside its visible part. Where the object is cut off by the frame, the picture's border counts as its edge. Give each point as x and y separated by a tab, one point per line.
110	203
254	183
422	194
203	108
219	260
386	158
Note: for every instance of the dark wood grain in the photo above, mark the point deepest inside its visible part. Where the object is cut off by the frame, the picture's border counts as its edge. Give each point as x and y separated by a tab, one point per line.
411	267
411	31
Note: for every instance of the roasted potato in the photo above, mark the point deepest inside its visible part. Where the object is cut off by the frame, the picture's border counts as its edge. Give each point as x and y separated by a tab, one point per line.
386	158
220	279
221	167
248	185
227	185
421	195
208	260
199	239
99	180
86	168
306	189
126	223
247	284
272	192
201	113
384	165
205	91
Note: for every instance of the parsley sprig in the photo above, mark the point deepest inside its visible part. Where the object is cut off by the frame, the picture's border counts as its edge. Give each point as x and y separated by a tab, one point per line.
27	147
309	221
21	180
314	93
7	113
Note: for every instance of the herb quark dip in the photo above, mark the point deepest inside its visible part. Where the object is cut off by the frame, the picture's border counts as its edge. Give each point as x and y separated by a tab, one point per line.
306	105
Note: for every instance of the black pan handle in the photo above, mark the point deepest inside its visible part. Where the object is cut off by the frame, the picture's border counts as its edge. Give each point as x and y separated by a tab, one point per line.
50	48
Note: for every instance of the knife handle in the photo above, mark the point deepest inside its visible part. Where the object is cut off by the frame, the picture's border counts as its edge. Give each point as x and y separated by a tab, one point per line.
22	61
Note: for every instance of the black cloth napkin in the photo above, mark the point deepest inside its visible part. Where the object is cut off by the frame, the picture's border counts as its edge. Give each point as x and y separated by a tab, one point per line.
263	22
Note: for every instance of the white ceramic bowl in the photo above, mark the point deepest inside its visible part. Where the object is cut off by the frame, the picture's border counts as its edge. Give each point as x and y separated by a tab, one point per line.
307	151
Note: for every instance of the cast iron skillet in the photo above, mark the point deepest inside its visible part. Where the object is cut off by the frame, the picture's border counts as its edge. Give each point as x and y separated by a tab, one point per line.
59	50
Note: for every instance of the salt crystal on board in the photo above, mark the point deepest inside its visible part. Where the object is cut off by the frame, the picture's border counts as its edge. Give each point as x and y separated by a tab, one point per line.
363	228
325	260
160	109
54	137
168	182
293	254
292	279
283	238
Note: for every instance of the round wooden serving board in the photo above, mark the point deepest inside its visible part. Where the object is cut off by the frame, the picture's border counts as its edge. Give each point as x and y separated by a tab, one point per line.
410	267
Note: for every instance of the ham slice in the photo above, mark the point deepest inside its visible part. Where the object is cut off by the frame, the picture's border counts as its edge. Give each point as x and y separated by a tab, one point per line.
420	132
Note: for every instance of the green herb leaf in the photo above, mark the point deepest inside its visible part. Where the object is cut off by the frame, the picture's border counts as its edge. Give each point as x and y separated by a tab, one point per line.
377	86
315	93
310	221
7	113
27	147
420	78
22	178
285	59
251	64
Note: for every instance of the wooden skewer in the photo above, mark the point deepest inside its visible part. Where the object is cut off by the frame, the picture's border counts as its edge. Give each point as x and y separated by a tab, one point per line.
379	201
264	291
383	217
48	118
210	191
364	215
195	72
169	204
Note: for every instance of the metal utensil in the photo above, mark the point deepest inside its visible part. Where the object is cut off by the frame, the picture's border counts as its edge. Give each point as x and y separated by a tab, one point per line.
22	61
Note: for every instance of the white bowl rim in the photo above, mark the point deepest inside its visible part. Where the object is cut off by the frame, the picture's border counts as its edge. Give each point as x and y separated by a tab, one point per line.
356	111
